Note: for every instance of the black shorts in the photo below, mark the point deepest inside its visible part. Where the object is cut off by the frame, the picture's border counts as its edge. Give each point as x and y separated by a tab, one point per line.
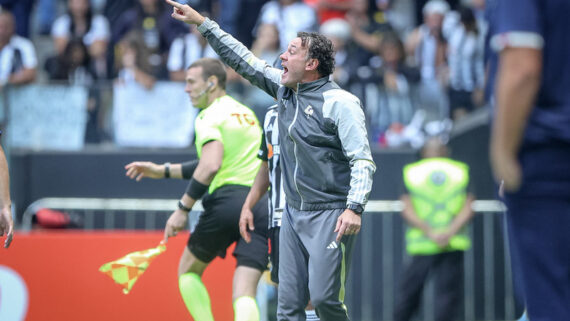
274	255
218	228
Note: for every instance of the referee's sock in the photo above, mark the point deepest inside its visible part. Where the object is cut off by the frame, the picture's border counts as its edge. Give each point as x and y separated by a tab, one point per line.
311	315
245	309
195	297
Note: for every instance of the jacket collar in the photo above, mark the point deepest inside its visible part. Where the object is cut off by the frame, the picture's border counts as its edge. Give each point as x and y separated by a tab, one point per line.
313	85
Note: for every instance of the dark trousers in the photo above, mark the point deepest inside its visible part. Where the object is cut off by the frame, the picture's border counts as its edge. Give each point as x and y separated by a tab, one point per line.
540	243
447	269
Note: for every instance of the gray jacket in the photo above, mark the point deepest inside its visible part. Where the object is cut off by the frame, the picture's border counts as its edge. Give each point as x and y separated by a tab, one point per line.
325	155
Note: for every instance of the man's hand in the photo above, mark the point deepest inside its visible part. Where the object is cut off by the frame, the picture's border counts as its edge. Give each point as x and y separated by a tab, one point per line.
138	170
6	225
506	169
176	223
185	13
348	223
246	223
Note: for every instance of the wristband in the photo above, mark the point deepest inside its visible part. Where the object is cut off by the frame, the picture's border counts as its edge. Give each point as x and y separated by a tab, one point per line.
196	189
184	208
188	168
166	170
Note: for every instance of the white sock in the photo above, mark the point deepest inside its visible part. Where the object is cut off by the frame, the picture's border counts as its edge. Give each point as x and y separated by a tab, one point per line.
311	315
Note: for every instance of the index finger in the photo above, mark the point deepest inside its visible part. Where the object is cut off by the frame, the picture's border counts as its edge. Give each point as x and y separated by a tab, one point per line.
174	4
9	236
341	231
131	164
243	231
8	240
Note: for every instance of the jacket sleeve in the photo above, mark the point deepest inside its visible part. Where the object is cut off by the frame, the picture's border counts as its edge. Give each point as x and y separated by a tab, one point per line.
346	111
239	58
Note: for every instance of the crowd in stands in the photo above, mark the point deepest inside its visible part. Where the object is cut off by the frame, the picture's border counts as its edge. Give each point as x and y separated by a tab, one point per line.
432	71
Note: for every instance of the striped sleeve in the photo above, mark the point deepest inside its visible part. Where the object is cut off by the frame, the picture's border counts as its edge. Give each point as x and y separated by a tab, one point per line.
361	174
346	111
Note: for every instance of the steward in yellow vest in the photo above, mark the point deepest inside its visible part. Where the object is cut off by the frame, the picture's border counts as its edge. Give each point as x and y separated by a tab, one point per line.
436	209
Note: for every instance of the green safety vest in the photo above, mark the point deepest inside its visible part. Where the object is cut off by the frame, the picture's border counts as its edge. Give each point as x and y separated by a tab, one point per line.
438	190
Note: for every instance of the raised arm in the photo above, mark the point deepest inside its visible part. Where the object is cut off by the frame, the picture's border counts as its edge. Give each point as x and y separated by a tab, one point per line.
230	50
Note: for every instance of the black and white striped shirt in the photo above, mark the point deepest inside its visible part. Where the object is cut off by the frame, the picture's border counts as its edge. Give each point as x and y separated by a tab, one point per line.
464	54
269	151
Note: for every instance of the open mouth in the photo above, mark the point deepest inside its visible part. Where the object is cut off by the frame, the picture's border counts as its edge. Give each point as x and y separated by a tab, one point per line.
285	70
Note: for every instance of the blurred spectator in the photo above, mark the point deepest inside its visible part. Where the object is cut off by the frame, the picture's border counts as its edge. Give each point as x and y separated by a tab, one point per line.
365	31
151	18
18	60
396	80
330	9
366	35
229	15
427	48
133	63
465	58
21	9
266	44
113	10
80	22
185	50
420	4
290	17
338	31
45	15
73	65
248	16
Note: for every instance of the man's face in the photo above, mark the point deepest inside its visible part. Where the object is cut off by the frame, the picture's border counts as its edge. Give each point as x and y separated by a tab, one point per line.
294	61
196	87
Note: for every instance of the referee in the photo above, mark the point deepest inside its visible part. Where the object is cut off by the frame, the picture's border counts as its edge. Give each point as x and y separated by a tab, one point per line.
227	140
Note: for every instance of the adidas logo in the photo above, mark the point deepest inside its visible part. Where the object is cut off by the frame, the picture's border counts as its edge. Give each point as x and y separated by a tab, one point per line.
332	246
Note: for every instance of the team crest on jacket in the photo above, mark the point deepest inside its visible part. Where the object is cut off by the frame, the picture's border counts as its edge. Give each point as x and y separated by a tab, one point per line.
309	111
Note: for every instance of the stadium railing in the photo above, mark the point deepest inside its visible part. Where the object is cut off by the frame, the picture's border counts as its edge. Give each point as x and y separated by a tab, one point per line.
378	259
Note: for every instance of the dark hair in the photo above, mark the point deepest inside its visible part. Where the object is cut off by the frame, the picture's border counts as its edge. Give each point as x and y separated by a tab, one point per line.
211	67
468	19
321	48
66	56
134	40
391	38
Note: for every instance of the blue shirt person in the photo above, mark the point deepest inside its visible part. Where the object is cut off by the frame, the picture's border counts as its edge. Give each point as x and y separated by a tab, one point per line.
530	146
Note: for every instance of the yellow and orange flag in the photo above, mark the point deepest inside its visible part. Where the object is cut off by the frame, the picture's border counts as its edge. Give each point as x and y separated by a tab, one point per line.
126	270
